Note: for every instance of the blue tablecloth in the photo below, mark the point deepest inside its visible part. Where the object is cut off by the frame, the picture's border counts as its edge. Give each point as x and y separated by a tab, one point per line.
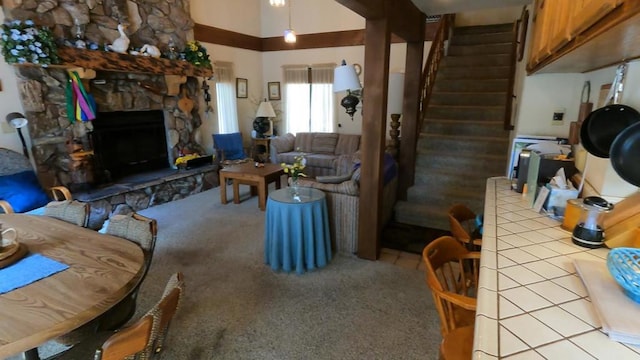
297	232
28	270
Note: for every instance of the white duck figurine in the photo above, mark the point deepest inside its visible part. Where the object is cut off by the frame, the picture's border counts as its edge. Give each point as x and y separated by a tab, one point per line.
150	50
121	44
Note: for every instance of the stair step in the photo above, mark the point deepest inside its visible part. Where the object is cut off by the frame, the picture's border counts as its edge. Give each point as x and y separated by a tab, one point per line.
477	113
448	163
464	179
482	38
476	60
421	215
474	72
463	128
444	197
468	98
472	85
456	50
483	29
462	145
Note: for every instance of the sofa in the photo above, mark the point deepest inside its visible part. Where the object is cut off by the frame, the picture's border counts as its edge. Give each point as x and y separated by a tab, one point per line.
343	199
323	151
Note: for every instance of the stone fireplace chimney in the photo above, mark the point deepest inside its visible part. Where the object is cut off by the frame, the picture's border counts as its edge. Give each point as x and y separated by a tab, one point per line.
122	82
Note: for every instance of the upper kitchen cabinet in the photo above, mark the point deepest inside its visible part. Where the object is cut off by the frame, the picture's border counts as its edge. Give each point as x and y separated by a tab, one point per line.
583	35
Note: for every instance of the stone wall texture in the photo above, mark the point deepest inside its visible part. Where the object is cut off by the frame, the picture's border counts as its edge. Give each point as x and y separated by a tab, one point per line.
42	90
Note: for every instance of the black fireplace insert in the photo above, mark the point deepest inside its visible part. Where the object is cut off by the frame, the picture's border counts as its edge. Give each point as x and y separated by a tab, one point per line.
129	142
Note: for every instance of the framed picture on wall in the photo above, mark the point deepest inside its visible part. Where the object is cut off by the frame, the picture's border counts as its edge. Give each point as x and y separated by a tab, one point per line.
274	90
241	88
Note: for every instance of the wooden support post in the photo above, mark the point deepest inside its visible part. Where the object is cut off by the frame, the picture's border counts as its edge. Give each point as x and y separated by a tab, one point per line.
376	59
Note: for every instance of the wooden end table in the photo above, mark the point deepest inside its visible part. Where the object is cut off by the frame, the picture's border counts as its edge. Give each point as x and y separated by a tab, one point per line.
248	174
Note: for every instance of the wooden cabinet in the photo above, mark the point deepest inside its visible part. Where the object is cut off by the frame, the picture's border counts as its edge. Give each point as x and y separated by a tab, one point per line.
587	12
583	35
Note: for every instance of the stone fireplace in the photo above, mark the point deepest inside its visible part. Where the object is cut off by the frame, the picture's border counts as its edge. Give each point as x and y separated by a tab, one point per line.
124	87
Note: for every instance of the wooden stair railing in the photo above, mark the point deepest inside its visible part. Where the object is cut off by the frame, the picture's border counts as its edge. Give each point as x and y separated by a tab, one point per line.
436	53
517	50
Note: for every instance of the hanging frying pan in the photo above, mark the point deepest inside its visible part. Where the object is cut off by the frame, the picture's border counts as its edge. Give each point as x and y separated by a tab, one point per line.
602	126
625	154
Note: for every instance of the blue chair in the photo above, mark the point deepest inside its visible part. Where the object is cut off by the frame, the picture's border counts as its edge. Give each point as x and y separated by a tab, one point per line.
228	148
20	190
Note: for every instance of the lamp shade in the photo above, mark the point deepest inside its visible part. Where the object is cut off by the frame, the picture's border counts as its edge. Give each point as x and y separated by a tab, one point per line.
17	120
345	78
265	110
396	93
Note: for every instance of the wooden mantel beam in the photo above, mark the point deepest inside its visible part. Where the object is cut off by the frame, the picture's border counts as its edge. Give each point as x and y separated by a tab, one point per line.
405	19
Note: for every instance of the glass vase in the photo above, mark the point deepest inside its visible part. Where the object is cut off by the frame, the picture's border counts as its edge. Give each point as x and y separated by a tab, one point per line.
295	189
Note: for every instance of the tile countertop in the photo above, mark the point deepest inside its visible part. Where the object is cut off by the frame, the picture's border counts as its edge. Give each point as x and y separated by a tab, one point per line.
531	302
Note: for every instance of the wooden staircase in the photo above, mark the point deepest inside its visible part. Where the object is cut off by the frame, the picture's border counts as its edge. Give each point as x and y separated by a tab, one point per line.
462	141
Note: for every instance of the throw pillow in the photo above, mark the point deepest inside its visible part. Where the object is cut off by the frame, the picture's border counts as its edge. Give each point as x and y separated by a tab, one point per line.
22	191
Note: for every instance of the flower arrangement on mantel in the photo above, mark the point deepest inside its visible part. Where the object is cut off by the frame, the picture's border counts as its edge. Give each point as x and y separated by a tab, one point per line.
196	54
24	42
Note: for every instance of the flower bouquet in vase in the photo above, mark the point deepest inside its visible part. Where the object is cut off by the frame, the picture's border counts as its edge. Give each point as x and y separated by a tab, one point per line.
295	171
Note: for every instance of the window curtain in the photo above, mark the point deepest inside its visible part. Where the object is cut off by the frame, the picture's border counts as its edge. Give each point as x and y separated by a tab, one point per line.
308	98
226	98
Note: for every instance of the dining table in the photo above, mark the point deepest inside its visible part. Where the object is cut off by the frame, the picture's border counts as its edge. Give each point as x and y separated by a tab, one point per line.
102	270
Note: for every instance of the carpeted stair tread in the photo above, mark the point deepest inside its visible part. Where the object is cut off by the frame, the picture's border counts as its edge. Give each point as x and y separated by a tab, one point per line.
462	178
483	29
452	162
482	38
472	85
449	98
475	60
474	72
502	48
421	215
463	127
465	112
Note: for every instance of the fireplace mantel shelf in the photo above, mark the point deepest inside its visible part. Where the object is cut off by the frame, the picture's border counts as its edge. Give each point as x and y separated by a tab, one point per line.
112	61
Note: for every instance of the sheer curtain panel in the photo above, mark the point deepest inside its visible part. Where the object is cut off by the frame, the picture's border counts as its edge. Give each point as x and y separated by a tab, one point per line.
309	99
226	98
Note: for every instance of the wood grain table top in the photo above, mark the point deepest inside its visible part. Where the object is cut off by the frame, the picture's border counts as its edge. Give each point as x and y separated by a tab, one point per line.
102	270
249	168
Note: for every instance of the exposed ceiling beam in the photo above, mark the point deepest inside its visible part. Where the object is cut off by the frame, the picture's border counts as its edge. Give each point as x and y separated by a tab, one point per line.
405	19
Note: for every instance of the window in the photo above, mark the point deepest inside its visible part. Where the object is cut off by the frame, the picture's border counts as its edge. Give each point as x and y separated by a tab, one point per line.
226	98
309	98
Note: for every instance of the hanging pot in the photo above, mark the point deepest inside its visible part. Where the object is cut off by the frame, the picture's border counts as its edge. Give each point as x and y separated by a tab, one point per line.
625	154
603	125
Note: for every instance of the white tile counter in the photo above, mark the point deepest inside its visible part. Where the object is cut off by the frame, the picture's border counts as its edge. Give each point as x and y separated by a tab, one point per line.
531	302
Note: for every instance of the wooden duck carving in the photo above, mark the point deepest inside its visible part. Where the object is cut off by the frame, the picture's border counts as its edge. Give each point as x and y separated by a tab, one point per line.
121	44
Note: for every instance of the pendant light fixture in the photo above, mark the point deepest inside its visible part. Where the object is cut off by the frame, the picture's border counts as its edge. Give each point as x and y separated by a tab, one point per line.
289	34
277	3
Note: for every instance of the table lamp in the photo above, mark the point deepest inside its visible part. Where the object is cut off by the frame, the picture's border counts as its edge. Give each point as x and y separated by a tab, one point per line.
18	121
262	124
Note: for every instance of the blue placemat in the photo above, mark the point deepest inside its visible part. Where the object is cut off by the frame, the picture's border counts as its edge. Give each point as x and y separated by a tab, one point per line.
28	270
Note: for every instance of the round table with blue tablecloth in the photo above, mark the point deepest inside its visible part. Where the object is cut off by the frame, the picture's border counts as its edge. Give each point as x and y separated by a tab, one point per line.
296	234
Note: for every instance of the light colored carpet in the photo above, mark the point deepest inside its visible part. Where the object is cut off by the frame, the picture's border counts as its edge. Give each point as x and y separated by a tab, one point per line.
236	307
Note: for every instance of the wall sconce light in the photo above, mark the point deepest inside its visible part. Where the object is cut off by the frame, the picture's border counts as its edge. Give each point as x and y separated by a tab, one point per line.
18	121
262	124
346	78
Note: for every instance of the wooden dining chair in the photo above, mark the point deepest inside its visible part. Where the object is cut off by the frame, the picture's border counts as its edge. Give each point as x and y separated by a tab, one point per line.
451	273
71	211
462	226
144	232
141	340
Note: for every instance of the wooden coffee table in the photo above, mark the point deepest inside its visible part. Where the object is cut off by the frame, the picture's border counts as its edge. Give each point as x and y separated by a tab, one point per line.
248	174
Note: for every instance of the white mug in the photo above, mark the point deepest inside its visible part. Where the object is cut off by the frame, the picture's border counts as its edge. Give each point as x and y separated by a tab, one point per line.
9	235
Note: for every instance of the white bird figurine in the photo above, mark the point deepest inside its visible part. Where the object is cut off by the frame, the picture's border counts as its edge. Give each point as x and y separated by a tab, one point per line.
121	44
150	50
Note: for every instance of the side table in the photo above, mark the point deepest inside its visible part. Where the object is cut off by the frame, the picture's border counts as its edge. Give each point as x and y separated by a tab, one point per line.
296	232
255	142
